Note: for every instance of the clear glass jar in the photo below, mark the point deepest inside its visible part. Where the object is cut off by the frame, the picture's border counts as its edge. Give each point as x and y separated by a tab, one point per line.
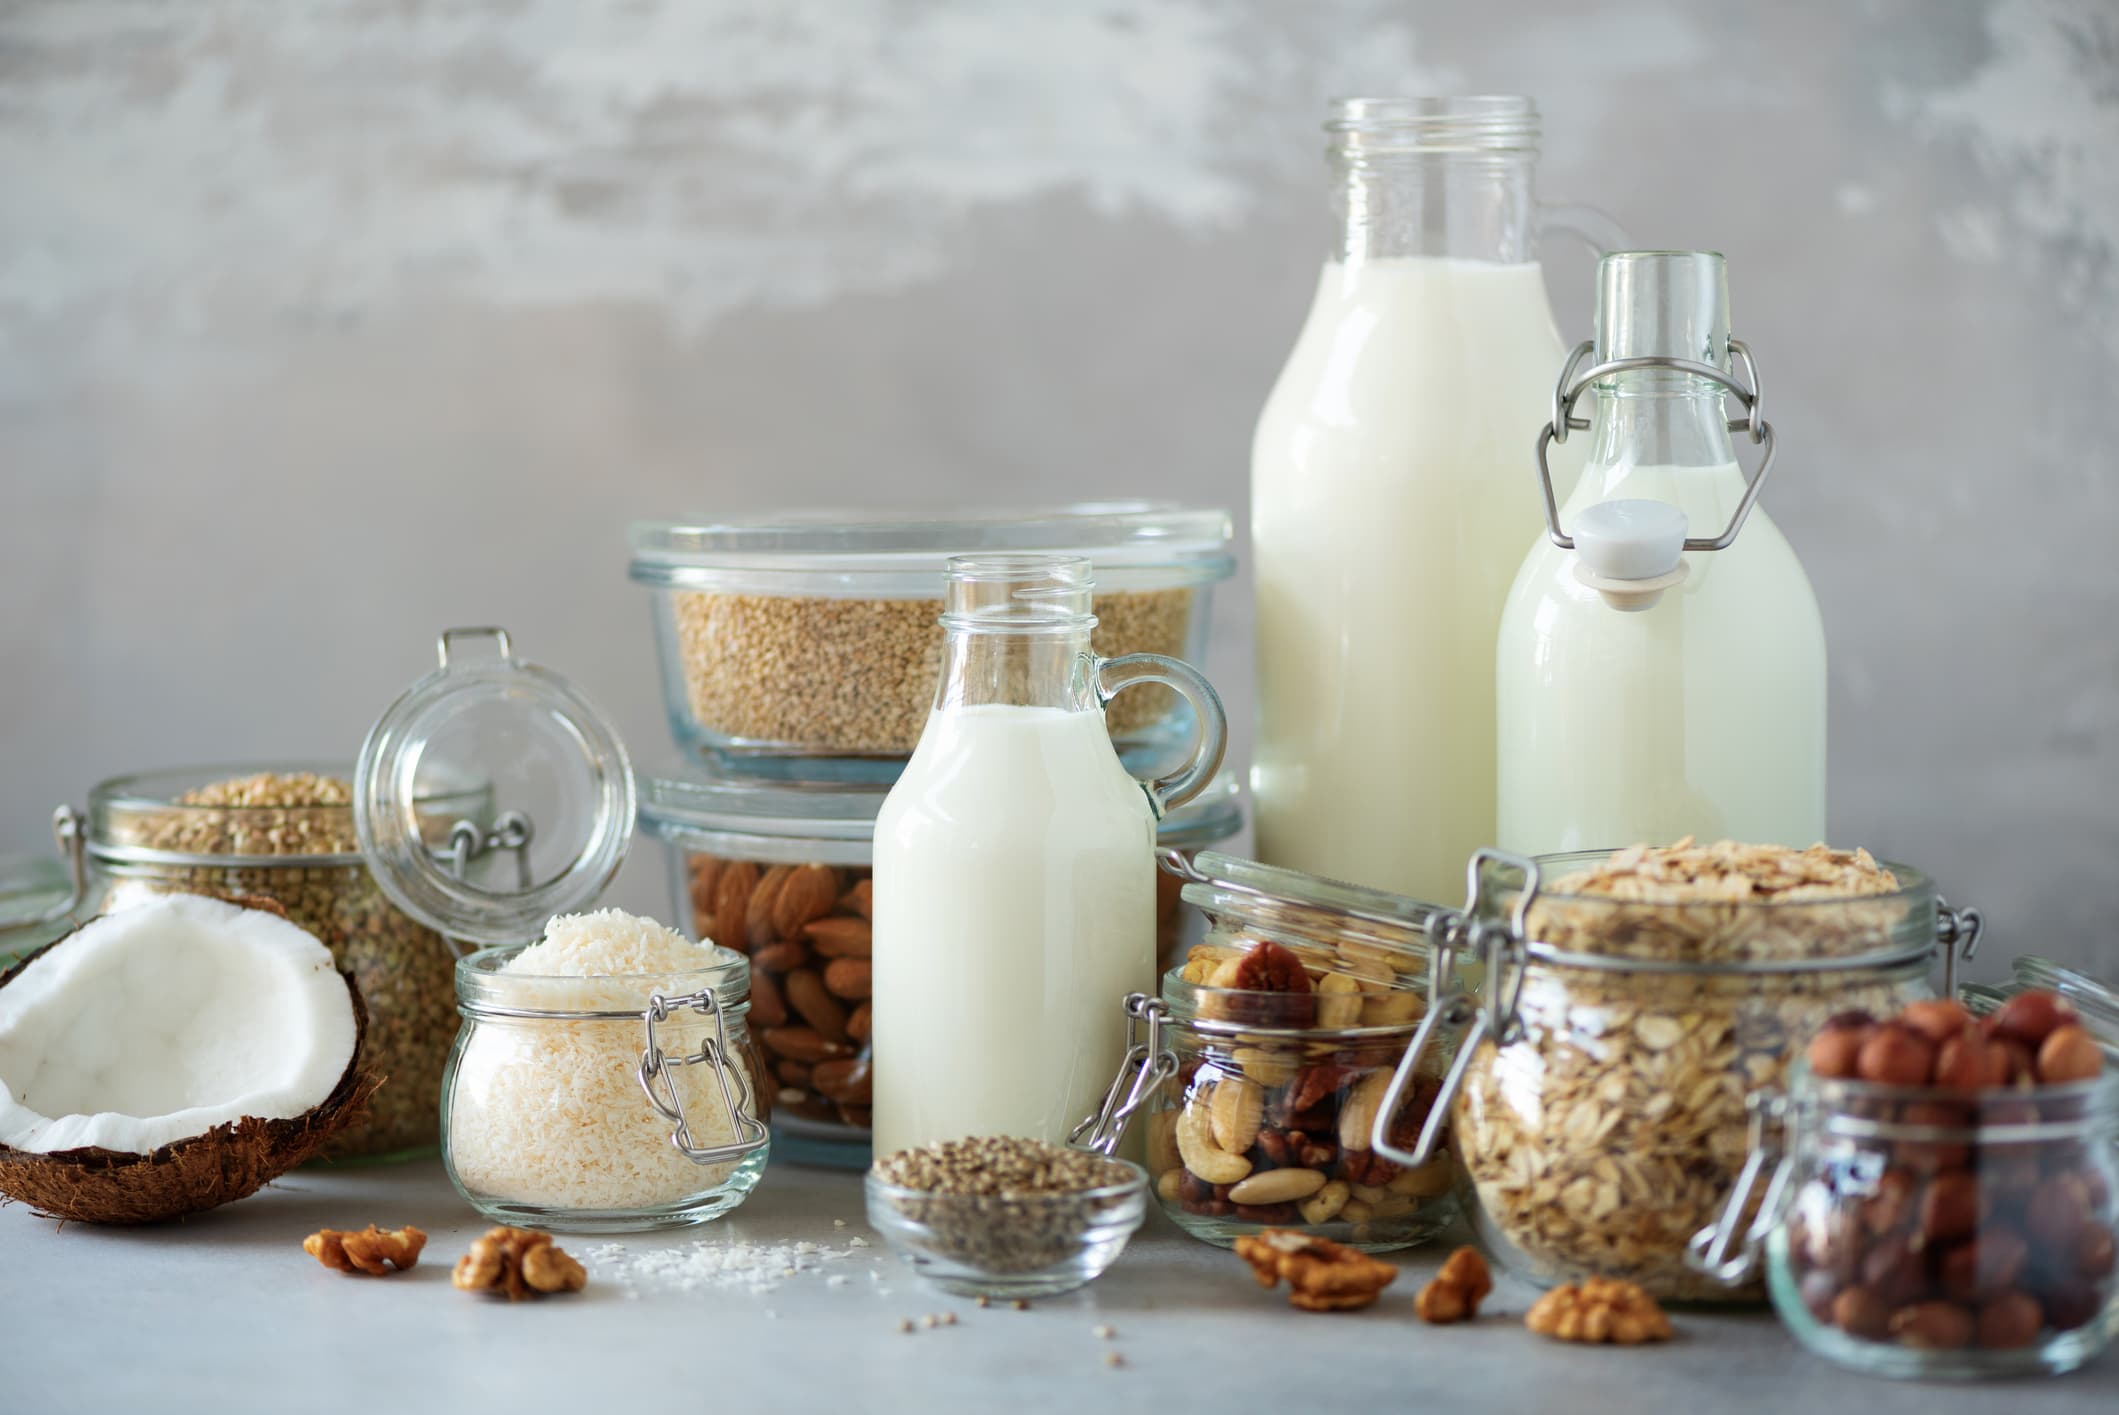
35	905
140	843
1600	1122
729	836
2096	1002
805	644
545	1121
1931	1234
1260	1104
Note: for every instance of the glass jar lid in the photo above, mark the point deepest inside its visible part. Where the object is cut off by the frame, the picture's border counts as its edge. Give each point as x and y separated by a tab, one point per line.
555	819
850	554
699	803
1289	906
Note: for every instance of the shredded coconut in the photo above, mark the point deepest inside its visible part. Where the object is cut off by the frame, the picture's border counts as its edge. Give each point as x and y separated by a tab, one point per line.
551	1112
711	1265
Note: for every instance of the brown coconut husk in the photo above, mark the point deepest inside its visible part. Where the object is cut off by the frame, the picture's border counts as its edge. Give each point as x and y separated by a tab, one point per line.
188	1176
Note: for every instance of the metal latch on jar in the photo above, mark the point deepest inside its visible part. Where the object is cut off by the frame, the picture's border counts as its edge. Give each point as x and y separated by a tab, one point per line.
655	1066
1631	551
1147	1064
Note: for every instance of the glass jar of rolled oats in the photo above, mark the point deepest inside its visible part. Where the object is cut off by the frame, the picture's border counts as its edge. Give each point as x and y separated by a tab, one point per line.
1264	1061
1632	1002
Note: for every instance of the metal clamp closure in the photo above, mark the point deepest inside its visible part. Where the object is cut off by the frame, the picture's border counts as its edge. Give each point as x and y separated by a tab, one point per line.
1709	1251
512	831
71	833
1571	385
655	1066
1500	945
1957	933
1147	1064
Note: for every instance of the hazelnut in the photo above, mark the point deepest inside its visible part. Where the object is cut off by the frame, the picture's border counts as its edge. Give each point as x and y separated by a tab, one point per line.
1895	1271
1835	1052
2069	1054
1985	1267
2011	1320
1889	1206
1950	1207
1934	1326
1896	1055
1820	1293
1970	1062
1936	1018
2094	1251
2057	1212
1859	1311
2030	1017
1929	1156
2069	1305
2023	1062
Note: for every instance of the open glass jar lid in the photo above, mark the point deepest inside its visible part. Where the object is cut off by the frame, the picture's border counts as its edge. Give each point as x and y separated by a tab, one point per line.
1328	924
553	825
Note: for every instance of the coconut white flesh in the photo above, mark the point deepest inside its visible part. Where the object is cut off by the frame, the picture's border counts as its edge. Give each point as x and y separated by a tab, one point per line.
165	1020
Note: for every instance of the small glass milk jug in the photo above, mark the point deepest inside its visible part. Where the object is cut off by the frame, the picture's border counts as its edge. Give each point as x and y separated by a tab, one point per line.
1660	670
1015	871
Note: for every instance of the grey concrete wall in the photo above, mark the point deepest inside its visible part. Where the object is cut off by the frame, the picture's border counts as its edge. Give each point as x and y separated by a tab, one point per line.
325	325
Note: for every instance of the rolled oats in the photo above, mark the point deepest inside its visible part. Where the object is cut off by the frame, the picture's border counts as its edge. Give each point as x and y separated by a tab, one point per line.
1609	1131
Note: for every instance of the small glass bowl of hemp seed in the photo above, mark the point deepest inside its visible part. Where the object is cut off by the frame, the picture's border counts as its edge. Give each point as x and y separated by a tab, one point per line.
1000	1216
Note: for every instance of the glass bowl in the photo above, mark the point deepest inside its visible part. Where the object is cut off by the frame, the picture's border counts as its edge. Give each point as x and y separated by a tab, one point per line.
805	645
1009	1245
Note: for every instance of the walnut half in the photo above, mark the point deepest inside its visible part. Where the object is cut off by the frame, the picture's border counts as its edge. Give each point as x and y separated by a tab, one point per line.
1322	1276
1601	1309
520	1262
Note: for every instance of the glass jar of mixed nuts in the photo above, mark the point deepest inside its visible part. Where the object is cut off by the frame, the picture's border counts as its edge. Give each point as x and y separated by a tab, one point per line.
1632	1001
779	871
285	833
1266	1059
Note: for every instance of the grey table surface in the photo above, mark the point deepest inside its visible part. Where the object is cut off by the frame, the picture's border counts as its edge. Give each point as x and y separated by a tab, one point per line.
224	1312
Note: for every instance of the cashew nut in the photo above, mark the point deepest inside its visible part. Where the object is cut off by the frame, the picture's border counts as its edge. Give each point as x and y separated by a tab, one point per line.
1195	1145
1236	1112
1338	1001
1324	1205
1358	1116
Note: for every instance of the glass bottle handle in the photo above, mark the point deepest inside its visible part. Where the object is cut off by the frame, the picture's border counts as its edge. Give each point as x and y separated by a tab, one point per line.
1596	229
1112	676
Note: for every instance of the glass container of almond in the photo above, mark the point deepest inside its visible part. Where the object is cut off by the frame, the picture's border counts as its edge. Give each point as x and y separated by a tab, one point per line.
1934	1194
1262	1064
1632	1000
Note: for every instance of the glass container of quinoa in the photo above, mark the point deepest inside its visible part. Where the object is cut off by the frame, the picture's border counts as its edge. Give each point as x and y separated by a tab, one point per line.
779	871
804	645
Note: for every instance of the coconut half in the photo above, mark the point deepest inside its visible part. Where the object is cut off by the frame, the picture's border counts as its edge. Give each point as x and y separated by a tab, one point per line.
171	1057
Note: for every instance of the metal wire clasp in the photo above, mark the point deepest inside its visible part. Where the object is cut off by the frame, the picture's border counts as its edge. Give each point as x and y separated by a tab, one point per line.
655	1066
1709	1251
1147	1064
1957	933
1746	390
1499	944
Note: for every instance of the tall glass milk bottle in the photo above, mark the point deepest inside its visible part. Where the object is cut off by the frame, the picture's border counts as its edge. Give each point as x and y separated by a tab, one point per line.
1661	662
1015	866
1389	495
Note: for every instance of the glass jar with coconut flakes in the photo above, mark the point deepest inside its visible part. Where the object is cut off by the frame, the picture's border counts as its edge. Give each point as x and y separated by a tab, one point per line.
286	833
556	1112
1264	1061
1631	1002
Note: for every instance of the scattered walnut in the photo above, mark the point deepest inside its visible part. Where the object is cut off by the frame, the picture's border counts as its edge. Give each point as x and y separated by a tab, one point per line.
520	1262
1457	1289
1322	1276
366	1251
1602	1309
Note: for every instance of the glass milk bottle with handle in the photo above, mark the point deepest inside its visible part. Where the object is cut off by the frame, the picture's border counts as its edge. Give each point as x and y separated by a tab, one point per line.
1388	494
1014	880
1661	662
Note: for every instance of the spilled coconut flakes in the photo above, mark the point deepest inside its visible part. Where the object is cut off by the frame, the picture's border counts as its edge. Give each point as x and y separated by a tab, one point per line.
706	1265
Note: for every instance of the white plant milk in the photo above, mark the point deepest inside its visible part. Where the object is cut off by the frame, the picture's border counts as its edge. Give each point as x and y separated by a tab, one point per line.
1702	715
1392	494
1014	910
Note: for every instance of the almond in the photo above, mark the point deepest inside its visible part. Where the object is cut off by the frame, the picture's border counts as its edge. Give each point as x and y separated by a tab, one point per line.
859	900
847	1079
782	957
859	1025
807	896
758	915
767	1007
850	978
732	893
840	937
807	995
804	1044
